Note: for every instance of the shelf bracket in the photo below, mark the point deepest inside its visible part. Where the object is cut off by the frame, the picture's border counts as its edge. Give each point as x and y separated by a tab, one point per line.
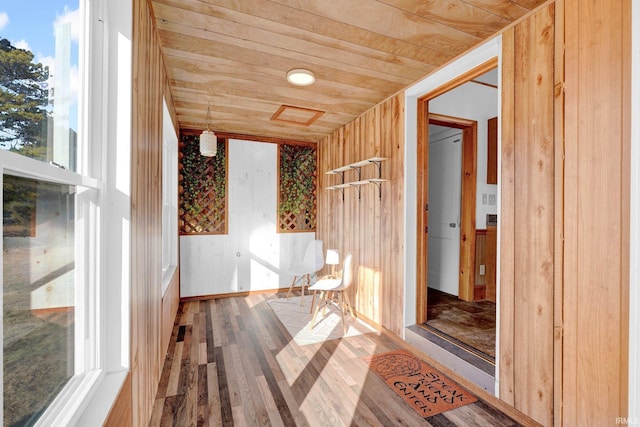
357	168
342	189
378	163
358	187
379	185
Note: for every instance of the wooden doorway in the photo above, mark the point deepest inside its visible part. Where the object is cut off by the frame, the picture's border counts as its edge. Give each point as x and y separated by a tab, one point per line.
467	223
467	219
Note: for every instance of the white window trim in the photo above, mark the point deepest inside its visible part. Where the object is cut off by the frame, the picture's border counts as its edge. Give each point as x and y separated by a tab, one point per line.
110	116
104	106
86	369
18	165
169	197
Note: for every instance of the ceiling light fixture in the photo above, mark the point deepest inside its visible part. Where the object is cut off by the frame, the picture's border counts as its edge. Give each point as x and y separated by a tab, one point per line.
208	139
301	77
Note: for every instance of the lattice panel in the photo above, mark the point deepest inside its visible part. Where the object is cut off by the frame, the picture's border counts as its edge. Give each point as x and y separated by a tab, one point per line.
297	186
202	188
292	222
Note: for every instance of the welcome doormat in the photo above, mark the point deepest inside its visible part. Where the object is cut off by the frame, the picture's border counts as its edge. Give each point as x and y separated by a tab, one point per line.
424	388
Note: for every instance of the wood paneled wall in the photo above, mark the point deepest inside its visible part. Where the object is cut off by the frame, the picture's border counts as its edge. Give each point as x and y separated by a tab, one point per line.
120	413
149	87
564	216
527	215
596	217
486	246
170	302
371	227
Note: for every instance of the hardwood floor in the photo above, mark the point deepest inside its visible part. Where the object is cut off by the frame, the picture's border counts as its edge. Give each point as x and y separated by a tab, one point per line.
232	362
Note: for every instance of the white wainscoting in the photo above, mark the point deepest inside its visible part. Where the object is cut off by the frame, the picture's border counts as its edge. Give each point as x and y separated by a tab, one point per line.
252	256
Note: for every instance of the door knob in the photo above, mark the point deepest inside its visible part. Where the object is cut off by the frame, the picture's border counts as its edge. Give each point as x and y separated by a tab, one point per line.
452	224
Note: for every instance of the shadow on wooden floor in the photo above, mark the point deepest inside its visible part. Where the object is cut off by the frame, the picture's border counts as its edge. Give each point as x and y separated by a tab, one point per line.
232	362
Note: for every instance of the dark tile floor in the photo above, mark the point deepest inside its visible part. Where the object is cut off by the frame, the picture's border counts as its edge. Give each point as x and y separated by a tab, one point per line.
471	323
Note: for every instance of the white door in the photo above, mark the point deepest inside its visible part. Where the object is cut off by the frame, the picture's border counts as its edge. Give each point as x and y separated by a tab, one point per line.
445	175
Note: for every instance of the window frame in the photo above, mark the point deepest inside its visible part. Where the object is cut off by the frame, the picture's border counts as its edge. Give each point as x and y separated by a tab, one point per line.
169	198
86	364
92	364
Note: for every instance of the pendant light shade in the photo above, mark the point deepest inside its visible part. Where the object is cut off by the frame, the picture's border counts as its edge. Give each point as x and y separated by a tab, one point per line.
208	143
208	139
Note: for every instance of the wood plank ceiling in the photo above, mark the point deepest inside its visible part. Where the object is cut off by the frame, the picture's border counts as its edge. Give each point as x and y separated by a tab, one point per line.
233	55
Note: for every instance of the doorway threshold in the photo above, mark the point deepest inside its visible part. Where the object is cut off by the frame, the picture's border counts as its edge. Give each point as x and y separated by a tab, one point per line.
459	343
474	368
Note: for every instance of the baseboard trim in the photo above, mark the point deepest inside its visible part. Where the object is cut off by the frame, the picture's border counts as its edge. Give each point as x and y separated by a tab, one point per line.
236	294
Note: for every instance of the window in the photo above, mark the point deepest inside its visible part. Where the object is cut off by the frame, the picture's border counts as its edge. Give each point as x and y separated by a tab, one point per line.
169	199
50	214
39	96
38	297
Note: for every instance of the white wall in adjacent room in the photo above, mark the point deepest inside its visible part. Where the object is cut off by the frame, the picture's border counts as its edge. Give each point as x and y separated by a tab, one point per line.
252	256
478	102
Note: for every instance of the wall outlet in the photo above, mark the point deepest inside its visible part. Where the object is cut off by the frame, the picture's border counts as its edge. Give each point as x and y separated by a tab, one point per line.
492	199
482	269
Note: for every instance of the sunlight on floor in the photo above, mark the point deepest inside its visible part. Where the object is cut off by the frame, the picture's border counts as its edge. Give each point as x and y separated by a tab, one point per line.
300	366
296	319
300	360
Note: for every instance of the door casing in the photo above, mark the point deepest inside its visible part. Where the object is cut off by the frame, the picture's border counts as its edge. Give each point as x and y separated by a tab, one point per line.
467	219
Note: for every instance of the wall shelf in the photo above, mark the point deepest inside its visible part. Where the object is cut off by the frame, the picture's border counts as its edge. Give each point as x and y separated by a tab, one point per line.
377	161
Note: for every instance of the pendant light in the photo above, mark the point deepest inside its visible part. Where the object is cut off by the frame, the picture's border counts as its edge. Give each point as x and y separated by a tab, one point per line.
208	139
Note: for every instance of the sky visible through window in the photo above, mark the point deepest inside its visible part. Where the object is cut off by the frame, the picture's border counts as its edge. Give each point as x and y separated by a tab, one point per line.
30	25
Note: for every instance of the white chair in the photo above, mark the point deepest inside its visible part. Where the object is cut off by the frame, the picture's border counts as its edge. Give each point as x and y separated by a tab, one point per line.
313	261
335	288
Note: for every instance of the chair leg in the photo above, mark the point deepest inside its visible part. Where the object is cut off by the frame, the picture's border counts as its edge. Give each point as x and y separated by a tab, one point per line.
315	312
327	301
342	310
302	285
293	282
346	295
313	301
